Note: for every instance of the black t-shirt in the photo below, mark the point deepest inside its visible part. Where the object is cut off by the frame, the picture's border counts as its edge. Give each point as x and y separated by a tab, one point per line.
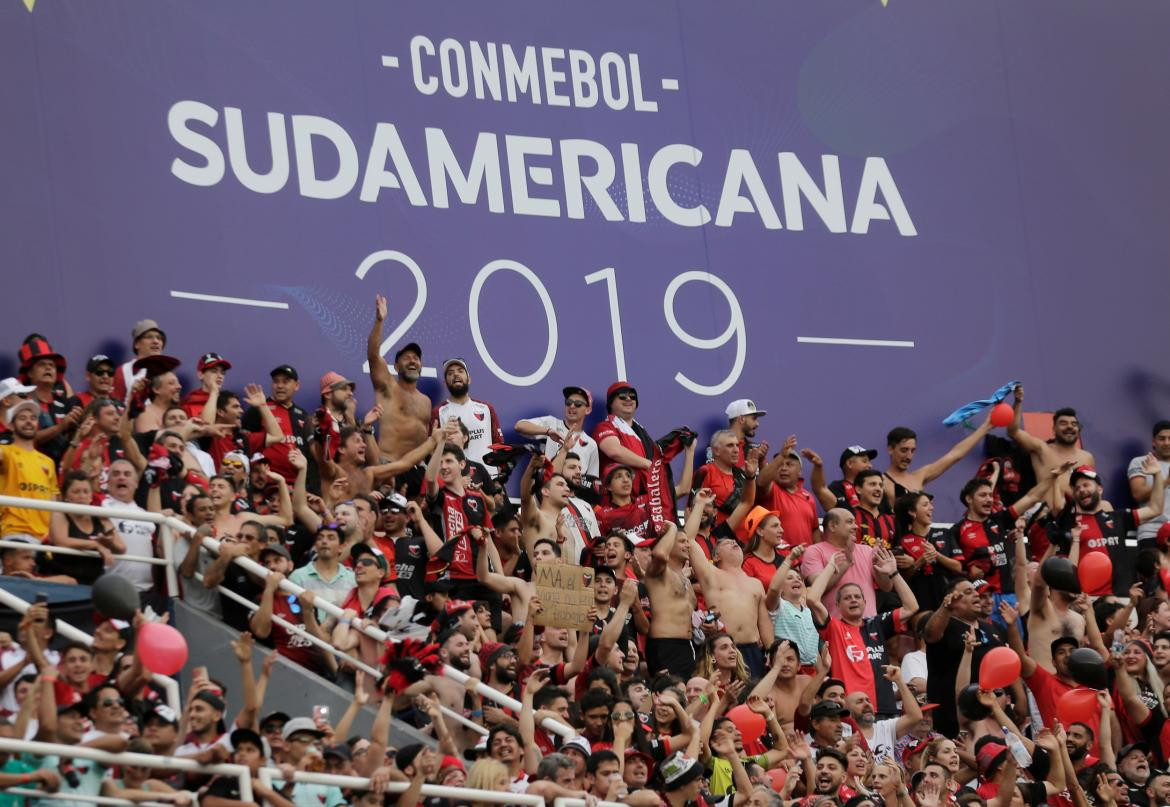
943	658
410	565
225	787
239	581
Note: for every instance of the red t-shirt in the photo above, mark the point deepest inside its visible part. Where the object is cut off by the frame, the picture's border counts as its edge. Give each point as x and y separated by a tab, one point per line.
762	570
721	483
292	646
629	441
632	518
797	511
352	601
193	403
859	651
983	544
247	443
454	516
1048	690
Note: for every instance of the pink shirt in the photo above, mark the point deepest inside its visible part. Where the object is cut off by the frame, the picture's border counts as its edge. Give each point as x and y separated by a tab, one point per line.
817	556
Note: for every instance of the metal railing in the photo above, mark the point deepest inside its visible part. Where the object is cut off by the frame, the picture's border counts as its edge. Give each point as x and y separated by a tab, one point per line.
370	629
168	525
170	686
110	759
357	664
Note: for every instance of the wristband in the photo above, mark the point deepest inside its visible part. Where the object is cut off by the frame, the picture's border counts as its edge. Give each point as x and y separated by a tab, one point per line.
895	573
477	713
345	621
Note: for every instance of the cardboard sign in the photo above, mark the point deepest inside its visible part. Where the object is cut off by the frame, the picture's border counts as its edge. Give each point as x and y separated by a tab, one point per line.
566	592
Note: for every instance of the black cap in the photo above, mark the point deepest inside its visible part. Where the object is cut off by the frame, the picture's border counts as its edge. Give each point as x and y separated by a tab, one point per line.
827	709
286	369
365	549
97	361
246	736
281	716
1059	640
211	699
340	750
406	755
443	585
856	451
409	347
598	571
1126	750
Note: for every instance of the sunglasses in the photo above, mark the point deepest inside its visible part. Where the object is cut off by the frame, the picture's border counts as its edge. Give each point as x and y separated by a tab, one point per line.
232	464
365	562
619	716
106	373
627	396
575	404
108	702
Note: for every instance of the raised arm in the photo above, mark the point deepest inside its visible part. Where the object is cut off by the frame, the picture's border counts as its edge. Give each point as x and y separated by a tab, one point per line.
772	595
824	579
885	563
747	499
430	537
249	715
129	444
433	464
817	480
261	620
255	398
387	470
1031	444
683	487
934	470
1153	507
380	376
300	494
1011	616
663	547
534	684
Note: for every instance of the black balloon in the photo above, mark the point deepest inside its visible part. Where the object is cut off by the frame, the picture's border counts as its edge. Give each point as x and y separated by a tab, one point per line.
1087	668
115	597
969	705
1061	574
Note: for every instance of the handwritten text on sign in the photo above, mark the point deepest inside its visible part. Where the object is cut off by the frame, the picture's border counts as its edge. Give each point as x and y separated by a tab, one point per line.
566	592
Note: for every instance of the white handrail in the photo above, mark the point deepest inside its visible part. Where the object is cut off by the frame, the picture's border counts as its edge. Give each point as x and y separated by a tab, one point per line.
267	775
374	632
82	797
98	512
371	630
570	801
169	685
83	553
300	630
110	759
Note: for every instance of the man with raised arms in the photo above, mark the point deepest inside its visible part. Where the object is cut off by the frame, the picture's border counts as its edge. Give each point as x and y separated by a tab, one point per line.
672	602
405	421
901	443
1061	450
738	597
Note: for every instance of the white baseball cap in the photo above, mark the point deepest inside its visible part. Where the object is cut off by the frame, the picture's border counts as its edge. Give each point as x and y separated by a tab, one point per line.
25	404
10	386
742	407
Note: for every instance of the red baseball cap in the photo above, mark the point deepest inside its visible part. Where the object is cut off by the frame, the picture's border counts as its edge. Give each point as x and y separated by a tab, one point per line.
1087	471
209	360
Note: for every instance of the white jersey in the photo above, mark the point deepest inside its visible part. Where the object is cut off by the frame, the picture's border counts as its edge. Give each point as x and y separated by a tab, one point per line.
482	422
579	528
586	447
139	538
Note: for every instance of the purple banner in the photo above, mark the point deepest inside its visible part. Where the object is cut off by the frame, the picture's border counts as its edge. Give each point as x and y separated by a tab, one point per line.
858	215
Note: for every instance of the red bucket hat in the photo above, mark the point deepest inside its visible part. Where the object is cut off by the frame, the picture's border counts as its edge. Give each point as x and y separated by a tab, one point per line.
34	348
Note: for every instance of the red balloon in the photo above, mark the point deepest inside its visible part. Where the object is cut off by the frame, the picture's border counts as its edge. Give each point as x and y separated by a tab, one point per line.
778	776
999	668
1078	706
1095	571
1002	415
750	724
162	648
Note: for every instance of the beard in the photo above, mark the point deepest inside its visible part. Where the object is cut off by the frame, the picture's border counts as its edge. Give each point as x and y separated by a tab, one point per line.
409	375
1092	502
1078	753
458	389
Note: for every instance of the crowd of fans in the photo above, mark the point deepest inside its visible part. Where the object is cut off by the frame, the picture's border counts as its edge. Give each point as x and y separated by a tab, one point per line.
760	634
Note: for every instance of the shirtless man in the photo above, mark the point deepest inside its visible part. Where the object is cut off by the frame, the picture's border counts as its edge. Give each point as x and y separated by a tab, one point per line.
901	443
540	518
1062	449
222	494
406	412
738	597
783	681
454	649
352	456
672	602
1053	613
165	391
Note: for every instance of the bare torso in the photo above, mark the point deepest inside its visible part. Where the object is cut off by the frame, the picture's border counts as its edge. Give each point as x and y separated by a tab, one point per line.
1058	621
738	601
451	695
672	602
405	421
786	694
1056	454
